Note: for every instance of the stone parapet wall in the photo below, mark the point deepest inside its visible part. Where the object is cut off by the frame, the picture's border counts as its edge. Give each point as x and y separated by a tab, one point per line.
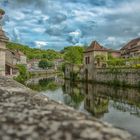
122	75
26	115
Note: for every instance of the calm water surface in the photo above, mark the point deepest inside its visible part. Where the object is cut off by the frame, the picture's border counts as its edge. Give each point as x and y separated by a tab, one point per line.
120	107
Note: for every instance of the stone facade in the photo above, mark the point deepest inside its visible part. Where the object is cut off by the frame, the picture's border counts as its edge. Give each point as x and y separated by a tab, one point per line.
95	56
9	58
2	58
123	76
3	40
71	70
33	64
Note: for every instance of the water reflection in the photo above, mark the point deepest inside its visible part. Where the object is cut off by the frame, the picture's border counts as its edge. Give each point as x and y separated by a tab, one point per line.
118	106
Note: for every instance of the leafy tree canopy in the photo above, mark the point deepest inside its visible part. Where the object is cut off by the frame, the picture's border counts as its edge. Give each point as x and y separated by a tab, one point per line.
45	64
74	55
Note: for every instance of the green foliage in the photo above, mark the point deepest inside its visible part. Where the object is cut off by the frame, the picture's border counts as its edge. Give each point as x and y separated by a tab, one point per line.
45	64
73	55
116	62
121	62
139	84
32	53
23	74
2	12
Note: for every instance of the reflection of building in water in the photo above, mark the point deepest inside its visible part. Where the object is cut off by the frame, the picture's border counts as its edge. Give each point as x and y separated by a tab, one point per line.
95	104
98	96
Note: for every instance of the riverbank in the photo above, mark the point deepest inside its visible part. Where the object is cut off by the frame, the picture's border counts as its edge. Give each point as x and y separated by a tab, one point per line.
26	115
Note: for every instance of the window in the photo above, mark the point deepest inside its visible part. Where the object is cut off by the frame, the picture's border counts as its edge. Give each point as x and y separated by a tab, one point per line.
87	60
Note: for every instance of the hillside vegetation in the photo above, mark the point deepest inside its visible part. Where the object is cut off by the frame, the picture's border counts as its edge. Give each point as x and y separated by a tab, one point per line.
33	52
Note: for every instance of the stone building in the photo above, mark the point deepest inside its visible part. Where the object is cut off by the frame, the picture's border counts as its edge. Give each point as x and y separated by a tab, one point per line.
10	63
33	64
131	49
95	56
22	57
3	40
9	58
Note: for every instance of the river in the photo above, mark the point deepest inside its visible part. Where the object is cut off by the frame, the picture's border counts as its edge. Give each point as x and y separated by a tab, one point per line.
118	106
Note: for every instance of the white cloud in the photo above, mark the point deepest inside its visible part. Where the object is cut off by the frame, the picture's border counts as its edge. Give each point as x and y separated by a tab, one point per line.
39	30
75	33
40	44
111	39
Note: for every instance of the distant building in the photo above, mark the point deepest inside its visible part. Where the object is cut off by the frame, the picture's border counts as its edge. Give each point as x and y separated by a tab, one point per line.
9	58
71	69
58	63
22	57
115	53
95	56
12	59
33	64
131	49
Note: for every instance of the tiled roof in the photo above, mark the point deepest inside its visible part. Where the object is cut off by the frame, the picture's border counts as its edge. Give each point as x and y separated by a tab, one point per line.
95	46
131	44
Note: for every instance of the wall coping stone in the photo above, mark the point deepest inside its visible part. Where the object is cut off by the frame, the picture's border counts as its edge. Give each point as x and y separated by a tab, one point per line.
24	114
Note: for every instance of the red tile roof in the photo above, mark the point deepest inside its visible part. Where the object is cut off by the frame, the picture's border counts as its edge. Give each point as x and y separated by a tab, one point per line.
95	46
131	44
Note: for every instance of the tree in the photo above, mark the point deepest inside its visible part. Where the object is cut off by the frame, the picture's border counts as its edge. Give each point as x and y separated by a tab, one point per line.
23	74
74	55
45	64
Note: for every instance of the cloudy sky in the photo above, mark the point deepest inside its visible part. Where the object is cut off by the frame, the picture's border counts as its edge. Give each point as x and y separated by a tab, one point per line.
58	23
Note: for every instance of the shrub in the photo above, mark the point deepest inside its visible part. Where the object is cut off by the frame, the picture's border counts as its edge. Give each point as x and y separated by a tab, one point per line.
23	74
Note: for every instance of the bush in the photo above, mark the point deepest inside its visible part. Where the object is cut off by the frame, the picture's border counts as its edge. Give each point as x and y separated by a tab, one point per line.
23	74
45	64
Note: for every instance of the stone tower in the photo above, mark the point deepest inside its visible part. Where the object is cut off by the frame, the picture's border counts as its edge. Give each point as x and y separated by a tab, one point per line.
3	40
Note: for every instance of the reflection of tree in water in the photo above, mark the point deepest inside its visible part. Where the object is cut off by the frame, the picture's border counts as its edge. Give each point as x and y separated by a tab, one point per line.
75	96
44	84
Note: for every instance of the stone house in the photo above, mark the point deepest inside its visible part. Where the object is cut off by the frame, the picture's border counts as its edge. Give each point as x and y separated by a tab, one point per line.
58	63
22	57
33	64
9	58
95	56
72	70
12	59
131	49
